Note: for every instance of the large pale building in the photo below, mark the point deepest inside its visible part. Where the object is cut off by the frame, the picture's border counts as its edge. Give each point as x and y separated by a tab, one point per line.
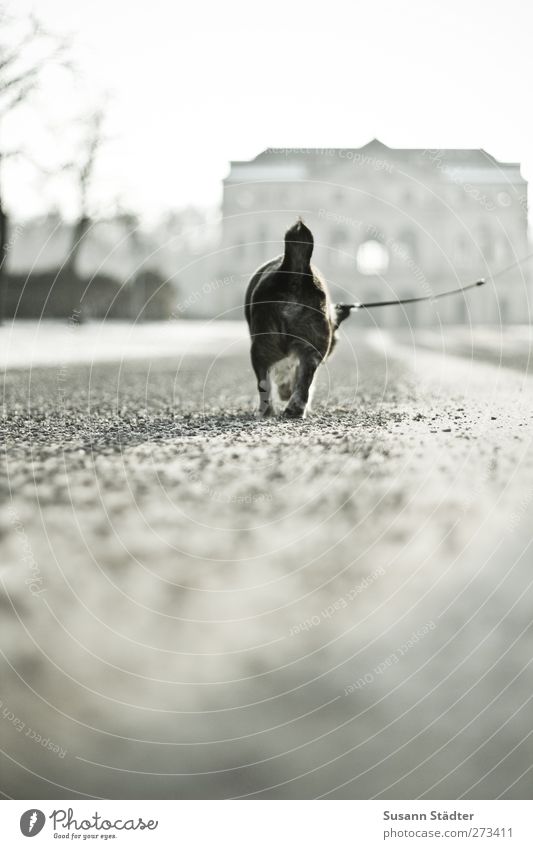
387	223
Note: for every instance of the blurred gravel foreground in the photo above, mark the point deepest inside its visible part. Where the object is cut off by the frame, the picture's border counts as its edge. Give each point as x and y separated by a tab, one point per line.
202	605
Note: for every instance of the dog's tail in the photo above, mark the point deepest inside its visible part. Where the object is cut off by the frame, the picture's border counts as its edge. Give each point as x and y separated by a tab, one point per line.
298	247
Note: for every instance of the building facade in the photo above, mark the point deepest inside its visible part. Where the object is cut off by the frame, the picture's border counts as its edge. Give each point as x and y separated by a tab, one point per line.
387	223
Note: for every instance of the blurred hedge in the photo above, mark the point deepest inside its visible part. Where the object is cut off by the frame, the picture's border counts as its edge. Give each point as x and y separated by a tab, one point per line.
61	294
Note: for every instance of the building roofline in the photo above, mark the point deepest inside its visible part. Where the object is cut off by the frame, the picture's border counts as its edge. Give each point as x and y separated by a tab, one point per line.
300	152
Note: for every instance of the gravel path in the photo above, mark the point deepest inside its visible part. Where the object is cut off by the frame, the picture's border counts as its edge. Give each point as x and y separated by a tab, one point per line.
199	604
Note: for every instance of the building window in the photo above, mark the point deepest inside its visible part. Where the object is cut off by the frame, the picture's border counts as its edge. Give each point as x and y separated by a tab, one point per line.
339	242
461	250
372	258
502	250
245	199
486	242
409	244
261	243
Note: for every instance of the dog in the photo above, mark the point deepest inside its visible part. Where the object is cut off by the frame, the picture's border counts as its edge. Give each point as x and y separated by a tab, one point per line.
292	324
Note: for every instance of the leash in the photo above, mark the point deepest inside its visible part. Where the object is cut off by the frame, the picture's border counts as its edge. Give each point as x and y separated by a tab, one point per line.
373	304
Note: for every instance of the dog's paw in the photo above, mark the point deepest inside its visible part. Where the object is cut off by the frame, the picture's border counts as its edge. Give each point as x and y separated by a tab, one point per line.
293	412
266	412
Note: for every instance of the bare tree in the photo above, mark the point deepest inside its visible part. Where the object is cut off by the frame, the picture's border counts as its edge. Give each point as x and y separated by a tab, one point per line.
26	49
83	169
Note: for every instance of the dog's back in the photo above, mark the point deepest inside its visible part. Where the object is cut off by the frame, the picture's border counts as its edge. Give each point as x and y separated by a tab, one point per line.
287	299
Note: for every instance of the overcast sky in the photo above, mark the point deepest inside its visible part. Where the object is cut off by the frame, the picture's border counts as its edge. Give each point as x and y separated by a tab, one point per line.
194	85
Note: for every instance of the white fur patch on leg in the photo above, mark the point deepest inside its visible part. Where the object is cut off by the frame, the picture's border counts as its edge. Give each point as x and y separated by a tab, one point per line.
312	389
283	375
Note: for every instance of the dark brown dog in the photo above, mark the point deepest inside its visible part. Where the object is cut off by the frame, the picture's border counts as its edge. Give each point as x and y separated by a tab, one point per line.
292	323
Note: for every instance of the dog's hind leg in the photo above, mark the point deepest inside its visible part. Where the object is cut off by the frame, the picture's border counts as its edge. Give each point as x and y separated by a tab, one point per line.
296	408
261	365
